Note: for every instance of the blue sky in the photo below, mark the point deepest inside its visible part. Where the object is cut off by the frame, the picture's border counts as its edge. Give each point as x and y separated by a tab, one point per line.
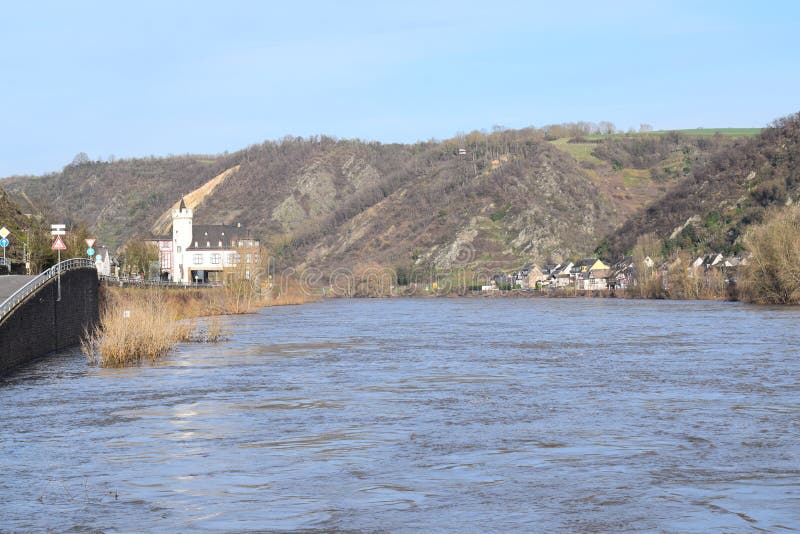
204	77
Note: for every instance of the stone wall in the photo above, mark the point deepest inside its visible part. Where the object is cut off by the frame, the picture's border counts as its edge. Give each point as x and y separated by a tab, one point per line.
40	325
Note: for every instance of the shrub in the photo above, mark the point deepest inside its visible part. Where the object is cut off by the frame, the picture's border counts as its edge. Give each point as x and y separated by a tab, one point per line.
772	273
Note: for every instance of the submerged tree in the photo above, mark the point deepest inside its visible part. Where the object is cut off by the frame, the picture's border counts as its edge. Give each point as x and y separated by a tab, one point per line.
646	259
772	273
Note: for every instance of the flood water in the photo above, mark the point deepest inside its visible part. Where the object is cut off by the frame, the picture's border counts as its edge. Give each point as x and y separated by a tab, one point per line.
442	414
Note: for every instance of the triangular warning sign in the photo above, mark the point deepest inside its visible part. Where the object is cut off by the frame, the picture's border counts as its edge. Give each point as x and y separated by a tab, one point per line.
90	242
58	244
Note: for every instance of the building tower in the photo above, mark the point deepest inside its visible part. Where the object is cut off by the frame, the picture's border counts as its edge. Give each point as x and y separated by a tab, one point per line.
181	240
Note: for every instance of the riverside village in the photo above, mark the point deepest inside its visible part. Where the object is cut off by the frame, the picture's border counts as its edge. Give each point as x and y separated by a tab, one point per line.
213	254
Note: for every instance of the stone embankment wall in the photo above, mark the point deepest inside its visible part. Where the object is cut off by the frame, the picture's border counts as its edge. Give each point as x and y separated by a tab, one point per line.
40	325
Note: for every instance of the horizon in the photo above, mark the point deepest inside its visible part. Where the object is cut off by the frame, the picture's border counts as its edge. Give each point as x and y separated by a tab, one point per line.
150	80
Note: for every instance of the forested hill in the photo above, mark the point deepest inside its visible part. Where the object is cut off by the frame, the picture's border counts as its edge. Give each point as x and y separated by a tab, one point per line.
500	198
12	217
731	188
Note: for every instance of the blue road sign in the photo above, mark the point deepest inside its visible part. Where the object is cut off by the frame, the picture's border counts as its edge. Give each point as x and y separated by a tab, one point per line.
3	242
90	251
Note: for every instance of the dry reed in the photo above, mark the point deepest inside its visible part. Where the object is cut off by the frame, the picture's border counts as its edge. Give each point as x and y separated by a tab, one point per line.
143	324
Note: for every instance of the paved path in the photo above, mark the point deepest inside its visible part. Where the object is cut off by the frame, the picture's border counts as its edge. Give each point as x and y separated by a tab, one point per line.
10	283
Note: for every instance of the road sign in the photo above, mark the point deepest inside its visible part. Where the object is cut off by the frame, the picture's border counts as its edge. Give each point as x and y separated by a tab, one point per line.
90	251
90	241
58	226
3	242
58	244
4	232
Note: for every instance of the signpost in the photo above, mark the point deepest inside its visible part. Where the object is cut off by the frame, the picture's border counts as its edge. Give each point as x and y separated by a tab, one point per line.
58	230
4	233
90	244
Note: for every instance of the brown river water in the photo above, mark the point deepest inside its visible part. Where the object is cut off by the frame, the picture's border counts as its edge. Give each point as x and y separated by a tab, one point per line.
436	415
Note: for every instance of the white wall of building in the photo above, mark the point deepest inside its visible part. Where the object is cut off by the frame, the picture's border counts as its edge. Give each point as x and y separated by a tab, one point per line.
181	240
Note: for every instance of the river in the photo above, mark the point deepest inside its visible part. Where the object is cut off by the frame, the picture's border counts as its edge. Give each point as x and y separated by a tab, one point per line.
443	414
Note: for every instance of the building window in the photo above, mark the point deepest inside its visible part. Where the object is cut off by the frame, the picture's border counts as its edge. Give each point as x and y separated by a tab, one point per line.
231	259
179	249
208	244
166	260
220	244
198	259
247	258
216	258
195	244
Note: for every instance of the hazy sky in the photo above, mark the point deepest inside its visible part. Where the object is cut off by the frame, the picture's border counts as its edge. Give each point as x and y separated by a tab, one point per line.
201	77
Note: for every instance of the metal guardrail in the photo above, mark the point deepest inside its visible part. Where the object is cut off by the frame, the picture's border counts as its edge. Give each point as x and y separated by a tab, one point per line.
22	293
138	282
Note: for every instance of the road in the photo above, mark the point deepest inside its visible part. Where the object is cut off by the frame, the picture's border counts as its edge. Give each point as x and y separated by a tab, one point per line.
10	283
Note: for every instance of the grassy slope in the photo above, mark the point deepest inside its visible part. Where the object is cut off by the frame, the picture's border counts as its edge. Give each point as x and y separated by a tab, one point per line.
627	189
692	132
705	132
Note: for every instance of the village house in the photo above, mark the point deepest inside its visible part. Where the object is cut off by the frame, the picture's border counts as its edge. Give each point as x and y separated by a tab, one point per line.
535	277
520	277
623	273
202	254
562	275
591	274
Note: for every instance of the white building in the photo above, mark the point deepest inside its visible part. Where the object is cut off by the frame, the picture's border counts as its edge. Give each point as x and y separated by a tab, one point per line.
104	264
204	253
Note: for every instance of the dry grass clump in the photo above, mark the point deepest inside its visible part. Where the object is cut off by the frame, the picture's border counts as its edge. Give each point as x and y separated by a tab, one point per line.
159	318
132	330
287	292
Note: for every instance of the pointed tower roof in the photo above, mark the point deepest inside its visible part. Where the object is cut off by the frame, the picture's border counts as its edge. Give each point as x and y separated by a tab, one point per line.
182	207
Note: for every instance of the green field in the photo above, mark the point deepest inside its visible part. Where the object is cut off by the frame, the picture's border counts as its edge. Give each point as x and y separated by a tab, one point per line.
579	151
728	132
697	132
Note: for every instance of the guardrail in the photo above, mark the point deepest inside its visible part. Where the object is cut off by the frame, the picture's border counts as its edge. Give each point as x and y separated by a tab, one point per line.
22	293
138	282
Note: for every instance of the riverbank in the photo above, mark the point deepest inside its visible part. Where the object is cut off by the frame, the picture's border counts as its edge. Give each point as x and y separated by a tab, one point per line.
729	294
143	324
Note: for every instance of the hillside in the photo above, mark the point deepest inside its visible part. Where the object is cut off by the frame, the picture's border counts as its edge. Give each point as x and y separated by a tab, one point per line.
12	217
117	200
483	199
729	189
